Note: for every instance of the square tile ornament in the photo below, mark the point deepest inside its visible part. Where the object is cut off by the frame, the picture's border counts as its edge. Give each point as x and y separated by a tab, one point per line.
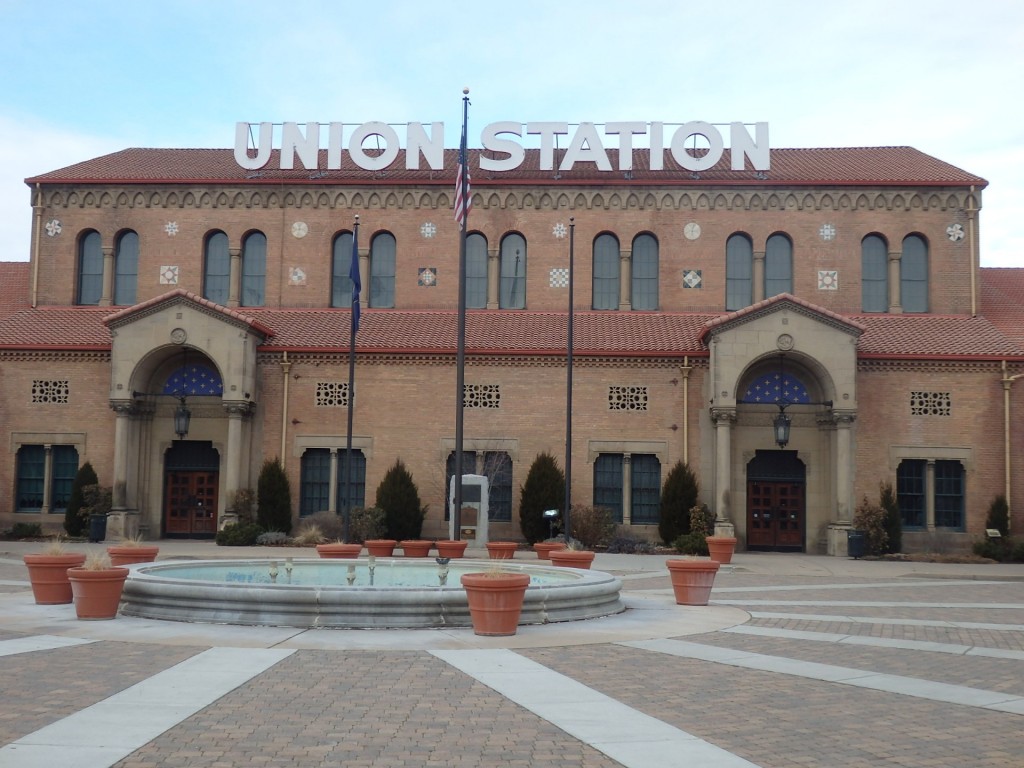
168	275
427	277
558	277
828	280
692	278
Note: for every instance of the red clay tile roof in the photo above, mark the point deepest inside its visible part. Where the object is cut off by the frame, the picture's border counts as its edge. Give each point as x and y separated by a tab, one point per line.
180	295
739	315
14	286
611	334
1002	301
849	166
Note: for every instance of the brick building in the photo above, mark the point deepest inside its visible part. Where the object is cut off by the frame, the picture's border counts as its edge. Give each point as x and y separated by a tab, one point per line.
839	288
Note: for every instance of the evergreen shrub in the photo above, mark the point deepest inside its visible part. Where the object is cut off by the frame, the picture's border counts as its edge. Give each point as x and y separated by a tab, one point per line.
274	498
74	522
544	489
398	497
678	496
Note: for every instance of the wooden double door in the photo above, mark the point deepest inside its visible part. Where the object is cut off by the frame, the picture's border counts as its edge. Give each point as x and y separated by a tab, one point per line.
776	502
191	488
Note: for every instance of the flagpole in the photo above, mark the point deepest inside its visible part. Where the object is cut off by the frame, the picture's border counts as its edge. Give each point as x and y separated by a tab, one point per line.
567	532
353	274
462	214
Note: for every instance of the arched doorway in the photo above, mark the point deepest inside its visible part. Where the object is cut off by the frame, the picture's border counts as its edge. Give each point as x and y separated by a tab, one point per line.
776	502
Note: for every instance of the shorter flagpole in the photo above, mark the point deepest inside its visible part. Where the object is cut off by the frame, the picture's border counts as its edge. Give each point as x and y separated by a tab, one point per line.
462	206
353	274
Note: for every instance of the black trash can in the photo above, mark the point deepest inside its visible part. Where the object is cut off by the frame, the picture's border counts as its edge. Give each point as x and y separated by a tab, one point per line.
856	542
97	527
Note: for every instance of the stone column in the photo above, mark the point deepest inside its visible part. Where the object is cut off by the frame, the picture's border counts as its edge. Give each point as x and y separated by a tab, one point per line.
47	479
233	461
234	275
724	418
493	276
895	304
625	280
929	495
845	468
332	491
108	276
120	523
627	489
758	277
364	278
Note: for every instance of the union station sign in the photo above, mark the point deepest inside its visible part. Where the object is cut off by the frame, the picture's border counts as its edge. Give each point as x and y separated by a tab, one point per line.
504	143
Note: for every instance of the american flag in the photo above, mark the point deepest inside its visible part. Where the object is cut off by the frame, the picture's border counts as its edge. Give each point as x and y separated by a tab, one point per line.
463	198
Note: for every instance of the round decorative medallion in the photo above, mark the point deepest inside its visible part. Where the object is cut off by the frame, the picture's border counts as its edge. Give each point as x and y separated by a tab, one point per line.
784	342
692	230
300	229
179	336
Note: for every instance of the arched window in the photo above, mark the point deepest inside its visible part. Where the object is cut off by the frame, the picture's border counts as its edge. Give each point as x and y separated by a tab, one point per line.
914	274
216	268
383	250
739	272
512	293
254	270
606	272
341	266
874	274
644	291
126	268
90	268
476	271
778	266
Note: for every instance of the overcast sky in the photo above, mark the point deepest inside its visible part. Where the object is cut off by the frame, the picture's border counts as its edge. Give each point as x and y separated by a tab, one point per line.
81	79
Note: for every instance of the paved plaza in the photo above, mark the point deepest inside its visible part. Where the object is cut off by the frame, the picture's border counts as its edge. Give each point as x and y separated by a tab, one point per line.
799	661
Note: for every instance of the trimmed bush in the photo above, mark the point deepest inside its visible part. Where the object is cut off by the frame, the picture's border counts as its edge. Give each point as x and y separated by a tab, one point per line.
998	516
367	523
870	518
74	522
678	496
544	489
893	523
701	523
398	497
627	545
591	526
274	498
239	535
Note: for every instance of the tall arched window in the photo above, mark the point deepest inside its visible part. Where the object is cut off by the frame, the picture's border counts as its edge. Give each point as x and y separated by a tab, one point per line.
914	274
606	272
90	268
126	268
254	270
512	293
476	271
644	290
739	272
874	274
216	268
383	249
778	266
341	266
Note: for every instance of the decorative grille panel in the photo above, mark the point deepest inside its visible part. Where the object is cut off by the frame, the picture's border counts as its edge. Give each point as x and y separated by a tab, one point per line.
481	396
50	391
627	398
930	404
333	394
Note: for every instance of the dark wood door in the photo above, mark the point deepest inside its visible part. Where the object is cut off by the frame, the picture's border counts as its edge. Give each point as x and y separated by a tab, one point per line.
775	515
191	503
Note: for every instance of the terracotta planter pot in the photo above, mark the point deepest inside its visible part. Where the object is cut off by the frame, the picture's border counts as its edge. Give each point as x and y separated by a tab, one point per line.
545	548
495	601
380	547
416	547
49	576
97	593
692	580
572	558
336	550
501	550
126	555
721	548
451	548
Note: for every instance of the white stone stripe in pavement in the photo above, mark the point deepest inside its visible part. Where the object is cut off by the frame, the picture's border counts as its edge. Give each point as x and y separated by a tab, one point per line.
110	730
830	673
630	737
874	604
37	643
878	642
862	585
894	622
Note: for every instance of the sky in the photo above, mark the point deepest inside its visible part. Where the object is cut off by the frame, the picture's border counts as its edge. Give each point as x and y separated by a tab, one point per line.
81	79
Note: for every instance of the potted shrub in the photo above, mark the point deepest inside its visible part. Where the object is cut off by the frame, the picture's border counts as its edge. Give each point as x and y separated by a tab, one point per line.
573	556
692	580
502	550
96	586
335	550
451	547
495	600
381	547
132	550
48	573
416	547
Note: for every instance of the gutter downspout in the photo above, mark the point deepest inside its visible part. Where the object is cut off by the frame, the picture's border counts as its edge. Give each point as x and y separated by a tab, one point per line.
286	366
685	371
37	205
1007	382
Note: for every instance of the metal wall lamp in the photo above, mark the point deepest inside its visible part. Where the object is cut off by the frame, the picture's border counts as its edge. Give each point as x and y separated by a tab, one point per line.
182	414
782	423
